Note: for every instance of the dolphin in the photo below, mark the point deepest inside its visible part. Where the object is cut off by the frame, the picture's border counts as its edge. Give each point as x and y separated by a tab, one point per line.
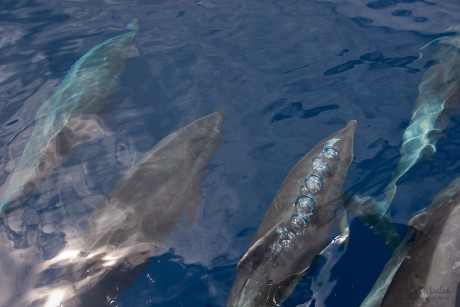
425	269
127	230
438	99
68	116
298	224
425	17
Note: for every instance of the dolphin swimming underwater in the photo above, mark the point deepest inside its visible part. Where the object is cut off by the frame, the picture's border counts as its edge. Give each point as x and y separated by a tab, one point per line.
127	230
298	224
438	99
426	17
68	116
425	269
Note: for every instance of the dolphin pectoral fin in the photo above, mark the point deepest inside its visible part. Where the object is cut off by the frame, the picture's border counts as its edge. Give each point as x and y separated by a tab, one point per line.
372	213
385	230
344	229
256	252
78	130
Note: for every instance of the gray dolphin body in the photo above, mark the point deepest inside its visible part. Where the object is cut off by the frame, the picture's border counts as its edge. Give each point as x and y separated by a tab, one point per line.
127	230
425	269
67	117
437	15
439	97
297	225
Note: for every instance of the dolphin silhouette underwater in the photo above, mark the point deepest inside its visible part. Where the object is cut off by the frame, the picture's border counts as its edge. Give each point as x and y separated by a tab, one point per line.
125	232
438	100
425	269
297	225
68	117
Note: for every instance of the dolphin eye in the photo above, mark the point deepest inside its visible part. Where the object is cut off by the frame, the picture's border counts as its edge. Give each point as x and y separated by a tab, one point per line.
314	183
331	153
305	205
321	168
299	224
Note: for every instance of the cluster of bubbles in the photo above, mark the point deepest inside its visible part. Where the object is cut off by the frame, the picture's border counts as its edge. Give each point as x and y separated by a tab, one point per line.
305	204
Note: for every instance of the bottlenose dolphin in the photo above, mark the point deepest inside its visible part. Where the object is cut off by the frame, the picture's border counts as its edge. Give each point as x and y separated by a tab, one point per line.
426	17
438	99
67	117
128	228
297	225
425	269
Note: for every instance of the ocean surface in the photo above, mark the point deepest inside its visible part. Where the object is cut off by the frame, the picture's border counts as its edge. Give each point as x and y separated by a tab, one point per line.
286	73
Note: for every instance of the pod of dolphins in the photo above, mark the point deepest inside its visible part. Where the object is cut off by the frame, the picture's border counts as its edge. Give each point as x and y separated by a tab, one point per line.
122	237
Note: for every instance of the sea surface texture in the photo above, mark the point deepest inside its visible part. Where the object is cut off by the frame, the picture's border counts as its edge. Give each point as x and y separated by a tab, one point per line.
285	73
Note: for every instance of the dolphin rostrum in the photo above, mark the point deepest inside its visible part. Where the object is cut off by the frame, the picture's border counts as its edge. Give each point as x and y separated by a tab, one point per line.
425	268
68	116
438	99
128	228
297	225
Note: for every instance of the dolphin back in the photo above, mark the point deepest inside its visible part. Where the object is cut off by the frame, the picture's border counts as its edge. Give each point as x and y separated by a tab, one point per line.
297	225
162	186
131	226
430	273
424	270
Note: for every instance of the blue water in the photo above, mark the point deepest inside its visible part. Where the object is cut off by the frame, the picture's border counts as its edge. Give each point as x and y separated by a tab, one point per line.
286	73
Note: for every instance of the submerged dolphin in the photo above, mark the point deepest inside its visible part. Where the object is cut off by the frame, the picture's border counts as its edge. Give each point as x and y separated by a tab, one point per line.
427	17
66	118
126	231
297	225
439	97
425	269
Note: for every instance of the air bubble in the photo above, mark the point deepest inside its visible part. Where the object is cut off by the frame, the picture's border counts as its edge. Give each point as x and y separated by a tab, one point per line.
112	302
305	205
282	232
314	183
286	243
321	168
303	190
299	224
331	153
276	249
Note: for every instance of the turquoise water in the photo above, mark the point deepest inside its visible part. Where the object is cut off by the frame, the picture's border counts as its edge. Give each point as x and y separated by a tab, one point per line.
286	73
